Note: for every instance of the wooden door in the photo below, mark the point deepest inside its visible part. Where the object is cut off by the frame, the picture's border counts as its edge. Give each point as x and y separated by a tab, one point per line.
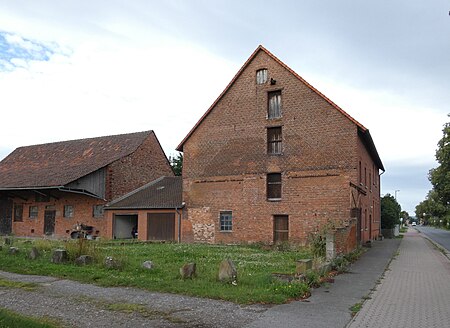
49	222
161	226
6	206
280	228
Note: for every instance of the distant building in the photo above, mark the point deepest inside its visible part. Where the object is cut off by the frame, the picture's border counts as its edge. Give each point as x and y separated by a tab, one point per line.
275	160
47	189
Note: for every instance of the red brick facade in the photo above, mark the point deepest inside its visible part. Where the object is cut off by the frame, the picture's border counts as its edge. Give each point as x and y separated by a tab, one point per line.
226	162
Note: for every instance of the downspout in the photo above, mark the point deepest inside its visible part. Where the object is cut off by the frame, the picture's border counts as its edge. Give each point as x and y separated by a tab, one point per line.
379	228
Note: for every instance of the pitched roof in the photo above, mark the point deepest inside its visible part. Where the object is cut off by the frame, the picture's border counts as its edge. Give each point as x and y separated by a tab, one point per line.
165	192
59	163
361	128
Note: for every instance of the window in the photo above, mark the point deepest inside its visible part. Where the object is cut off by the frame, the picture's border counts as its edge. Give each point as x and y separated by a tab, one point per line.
274	186
68	211
226	221
274	140
274	106
98	211
261	76
18	213
33	212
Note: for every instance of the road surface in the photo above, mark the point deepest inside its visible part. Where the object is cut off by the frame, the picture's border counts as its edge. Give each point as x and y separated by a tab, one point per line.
440	236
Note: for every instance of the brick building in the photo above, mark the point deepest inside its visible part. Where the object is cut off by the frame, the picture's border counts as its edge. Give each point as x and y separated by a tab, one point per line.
274	160
47	189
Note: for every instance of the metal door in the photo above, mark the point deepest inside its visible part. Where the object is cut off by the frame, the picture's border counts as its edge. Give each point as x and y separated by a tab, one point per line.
161	226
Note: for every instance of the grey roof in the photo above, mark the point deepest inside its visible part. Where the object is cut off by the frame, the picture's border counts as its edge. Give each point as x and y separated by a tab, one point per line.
162	193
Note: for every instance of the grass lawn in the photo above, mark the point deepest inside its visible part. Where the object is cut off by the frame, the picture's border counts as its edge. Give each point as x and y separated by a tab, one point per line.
10	319
254	264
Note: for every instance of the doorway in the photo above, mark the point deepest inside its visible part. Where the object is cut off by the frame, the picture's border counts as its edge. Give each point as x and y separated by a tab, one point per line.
125	226
6	206
280	228
49	222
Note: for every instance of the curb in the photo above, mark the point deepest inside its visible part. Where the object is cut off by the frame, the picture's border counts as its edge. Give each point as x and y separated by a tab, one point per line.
441	248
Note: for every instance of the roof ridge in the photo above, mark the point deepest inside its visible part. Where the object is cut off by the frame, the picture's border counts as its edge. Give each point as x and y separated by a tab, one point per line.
85	139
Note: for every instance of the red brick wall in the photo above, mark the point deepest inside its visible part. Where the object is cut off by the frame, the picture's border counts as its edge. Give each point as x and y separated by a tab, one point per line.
83	213
368	180
146	164
226	161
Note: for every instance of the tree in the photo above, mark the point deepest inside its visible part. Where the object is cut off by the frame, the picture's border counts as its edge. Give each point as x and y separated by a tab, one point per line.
431	206
390	212
440	176
177	164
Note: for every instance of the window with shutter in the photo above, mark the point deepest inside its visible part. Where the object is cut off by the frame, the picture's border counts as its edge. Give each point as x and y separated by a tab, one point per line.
274	106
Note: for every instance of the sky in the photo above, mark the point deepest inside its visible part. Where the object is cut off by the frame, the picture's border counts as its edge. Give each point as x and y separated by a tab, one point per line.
76	69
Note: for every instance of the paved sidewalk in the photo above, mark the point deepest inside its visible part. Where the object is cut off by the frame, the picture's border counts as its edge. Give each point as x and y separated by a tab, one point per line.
329	306
415	291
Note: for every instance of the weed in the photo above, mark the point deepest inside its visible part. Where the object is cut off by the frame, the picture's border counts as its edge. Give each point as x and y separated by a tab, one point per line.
16	284
12	319
356	308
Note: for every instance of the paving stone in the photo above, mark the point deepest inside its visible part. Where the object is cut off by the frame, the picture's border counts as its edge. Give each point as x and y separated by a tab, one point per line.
415	291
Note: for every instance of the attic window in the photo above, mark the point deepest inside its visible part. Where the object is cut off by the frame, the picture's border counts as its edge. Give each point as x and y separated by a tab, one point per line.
261	76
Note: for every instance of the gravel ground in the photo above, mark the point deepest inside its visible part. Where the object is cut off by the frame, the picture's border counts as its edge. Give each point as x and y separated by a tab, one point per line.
83	305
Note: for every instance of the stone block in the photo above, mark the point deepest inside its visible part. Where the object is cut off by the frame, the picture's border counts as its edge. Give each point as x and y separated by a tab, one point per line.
227	271
148	265
33	254
188	270
84	260
303	265
59	256
13	250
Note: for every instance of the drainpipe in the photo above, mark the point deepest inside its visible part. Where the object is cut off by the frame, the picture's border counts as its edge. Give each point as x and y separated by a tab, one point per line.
379	228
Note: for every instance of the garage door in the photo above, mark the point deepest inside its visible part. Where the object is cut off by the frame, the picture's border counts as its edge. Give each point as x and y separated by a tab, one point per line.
161	226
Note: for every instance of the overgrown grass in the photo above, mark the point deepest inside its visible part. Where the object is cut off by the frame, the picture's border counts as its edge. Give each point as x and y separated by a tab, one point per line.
16	284
10	319
255	266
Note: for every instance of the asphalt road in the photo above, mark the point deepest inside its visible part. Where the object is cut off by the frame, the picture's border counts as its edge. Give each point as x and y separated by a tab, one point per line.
442	237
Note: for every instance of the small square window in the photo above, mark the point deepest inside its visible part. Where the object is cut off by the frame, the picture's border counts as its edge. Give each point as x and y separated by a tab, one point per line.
261	76
33	212
274	140
98	211
18	212
274	186
274	105
226	221
68	211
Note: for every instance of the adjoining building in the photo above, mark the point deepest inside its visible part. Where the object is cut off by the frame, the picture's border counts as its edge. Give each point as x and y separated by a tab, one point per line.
275	160
152	212
47	189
